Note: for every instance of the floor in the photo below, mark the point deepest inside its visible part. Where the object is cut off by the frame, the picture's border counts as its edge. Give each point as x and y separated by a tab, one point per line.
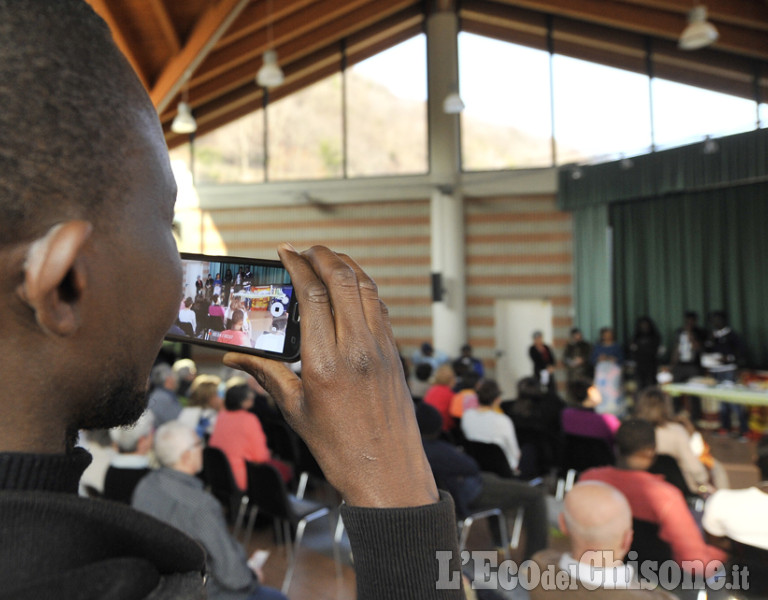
318	577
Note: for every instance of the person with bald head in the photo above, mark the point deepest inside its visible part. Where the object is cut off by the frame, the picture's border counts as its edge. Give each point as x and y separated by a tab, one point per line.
597	519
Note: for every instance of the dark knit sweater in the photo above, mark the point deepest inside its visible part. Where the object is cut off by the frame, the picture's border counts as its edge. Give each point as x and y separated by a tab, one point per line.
57	545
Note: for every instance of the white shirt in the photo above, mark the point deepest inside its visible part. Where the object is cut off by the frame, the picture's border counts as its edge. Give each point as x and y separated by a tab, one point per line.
617	577
187	315
741	515
485	425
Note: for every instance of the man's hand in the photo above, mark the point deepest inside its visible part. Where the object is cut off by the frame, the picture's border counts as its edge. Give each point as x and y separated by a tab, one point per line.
351	405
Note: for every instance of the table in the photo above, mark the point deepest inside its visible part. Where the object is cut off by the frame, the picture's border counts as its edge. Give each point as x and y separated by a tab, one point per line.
738	394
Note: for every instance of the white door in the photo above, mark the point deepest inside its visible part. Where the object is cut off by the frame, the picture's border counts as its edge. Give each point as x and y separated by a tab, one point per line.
516	320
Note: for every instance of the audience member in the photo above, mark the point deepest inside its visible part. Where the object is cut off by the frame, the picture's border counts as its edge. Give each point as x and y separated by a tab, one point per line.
441	393
87	203
163	402
672	439
685	360
466	397
216	309
131	464
742	515
652	499
608	358
576	358
488	424
724	354
466	364
99	444
173	494
543	362
598	522
205	402
186	371
427	354
420	382
274	339
473	489
583	420
239	435
187	315
235	334
644	351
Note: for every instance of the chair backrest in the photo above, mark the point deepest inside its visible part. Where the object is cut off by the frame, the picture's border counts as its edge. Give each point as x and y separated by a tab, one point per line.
218	475
490	458
266	490
581	453
755	560
667	465
214	322
281	439
187	328
647	544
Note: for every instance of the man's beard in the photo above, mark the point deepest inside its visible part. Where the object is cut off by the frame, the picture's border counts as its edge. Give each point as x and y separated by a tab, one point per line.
119	402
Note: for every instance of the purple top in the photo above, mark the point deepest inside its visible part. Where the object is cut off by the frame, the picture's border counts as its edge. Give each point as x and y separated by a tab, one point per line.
586	422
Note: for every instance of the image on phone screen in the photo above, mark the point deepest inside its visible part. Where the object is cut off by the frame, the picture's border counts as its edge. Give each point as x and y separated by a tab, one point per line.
237	304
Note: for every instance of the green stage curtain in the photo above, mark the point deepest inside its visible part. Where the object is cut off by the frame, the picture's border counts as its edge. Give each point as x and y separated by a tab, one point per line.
699	251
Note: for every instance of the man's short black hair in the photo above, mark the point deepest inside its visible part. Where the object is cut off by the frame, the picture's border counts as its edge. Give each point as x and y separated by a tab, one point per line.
635	435
65	101
579	389
488	392
423	371
236	396
691	314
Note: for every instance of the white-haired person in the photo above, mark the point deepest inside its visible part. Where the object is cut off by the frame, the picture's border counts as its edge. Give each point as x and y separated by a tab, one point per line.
173	494
132	462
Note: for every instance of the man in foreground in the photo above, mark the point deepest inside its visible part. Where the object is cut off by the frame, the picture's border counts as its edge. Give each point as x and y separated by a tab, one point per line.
598	521
86	207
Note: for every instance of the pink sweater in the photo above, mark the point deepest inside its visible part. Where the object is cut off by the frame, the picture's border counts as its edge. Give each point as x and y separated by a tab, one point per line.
239	435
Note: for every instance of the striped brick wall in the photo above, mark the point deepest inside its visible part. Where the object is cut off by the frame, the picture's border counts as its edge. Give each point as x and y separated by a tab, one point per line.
518	247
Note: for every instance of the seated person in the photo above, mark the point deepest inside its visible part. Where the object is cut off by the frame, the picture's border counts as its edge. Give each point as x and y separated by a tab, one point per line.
187	315
441	394
740	515
173	494
163	401
99	444
475	490
598	521
238	433
672	439
131	464
274	339
419	383
235	334
204	405
466	397
488	424
582	419
651	498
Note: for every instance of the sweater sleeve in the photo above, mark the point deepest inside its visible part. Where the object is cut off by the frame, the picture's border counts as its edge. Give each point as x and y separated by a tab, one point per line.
405	553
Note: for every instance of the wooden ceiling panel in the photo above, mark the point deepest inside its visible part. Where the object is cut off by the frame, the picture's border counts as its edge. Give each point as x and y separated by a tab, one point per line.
221	42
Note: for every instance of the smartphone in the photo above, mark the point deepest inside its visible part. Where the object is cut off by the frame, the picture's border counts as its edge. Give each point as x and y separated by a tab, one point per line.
238	304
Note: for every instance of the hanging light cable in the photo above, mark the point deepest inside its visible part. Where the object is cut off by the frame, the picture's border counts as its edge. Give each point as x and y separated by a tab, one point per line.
184	122
270	74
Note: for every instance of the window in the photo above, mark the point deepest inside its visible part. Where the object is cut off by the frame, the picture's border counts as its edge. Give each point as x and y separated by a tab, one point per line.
600	112
387	112
506	123
305	139
684	114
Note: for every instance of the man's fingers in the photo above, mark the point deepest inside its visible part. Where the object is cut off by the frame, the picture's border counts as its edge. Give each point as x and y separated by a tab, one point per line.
275	377
317	323
342	284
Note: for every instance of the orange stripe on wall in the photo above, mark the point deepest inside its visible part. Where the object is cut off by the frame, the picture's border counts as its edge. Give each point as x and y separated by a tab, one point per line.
377	261
408	300
411	321
518	279
514	259
521	217
368	223
491	300
554	236
333	243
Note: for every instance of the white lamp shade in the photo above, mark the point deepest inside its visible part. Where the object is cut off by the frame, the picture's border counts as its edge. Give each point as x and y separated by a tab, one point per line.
184	122
699	32
453	104
270	74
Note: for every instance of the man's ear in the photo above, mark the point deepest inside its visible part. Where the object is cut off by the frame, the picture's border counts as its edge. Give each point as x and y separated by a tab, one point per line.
55	277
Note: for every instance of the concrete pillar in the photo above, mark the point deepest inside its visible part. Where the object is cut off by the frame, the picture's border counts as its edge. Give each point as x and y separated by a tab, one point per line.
449	313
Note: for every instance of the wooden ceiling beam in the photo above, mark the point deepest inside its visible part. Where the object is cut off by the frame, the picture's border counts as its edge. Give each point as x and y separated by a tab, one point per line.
303	26
298	48
166	25
256	16
657	23
207	31
744	13
101	8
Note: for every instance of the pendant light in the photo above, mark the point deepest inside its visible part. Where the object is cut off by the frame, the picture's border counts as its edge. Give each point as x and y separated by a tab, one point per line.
270	74
184	122
699	32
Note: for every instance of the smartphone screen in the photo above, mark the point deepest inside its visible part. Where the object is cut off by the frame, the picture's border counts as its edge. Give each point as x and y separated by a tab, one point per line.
240	304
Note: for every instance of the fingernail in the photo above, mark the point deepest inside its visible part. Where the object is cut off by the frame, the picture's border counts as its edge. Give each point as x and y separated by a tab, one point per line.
287	247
